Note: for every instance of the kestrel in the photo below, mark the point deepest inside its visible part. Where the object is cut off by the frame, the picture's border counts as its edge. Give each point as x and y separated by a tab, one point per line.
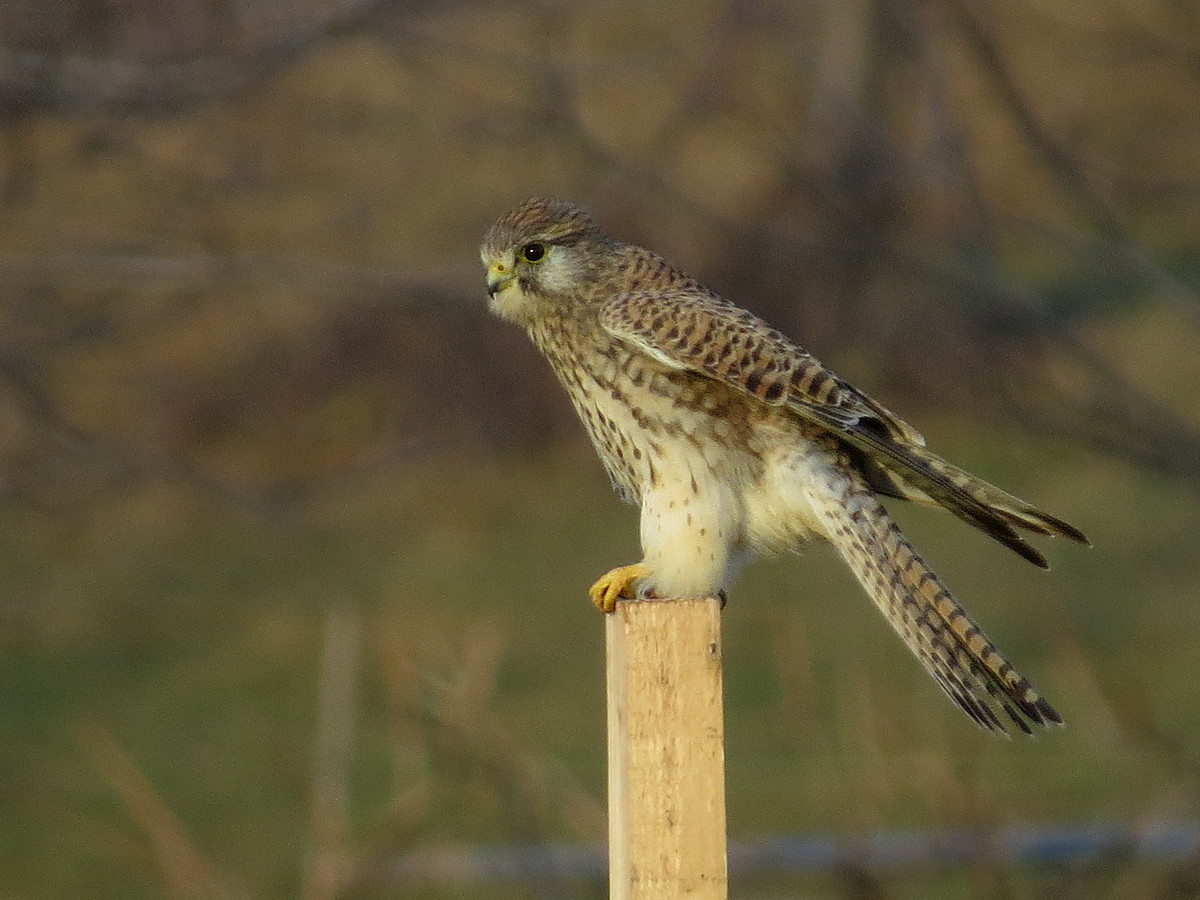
735	441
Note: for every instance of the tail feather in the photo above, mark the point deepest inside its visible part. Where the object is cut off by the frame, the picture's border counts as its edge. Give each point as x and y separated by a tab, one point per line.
1012	509
947	641
914	473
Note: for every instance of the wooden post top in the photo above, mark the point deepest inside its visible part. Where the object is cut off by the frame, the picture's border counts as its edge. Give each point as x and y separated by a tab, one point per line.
666	753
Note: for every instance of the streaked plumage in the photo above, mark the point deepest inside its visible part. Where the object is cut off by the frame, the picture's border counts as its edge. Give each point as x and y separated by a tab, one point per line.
735	441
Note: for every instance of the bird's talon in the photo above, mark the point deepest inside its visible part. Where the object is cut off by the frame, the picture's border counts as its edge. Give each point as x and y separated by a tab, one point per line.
620	583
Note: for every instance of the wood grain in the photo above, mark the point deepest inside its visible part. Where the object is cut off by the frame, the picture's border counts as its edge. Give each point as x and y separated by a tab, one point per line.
666	754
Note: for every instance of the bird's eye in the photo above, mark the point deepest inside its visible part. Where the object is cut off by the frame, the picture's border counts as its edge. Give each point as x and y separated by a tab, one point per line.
533	252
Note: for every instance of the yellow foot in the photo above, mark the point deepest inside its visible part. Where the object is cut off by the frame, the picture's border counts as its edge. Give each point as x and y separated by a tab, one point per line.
620	583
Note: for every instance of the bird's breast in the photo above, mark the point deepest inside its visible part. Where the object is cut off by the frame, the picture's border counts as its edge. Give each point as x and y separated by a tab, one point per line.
649	423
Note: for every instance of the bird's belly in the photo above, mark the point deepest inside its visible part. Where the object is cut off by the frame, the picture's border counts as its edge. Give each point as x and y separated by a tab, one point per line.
778	508
757	467
687	477
714	488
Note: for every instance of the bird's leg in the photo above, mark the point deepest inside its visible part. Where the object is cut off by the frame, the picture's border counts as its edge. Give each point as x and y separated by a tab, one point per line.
620	583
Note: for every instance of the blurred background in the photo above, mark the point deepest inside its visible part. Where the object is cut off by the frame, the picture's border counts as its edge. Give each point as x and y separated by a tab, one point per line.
296	537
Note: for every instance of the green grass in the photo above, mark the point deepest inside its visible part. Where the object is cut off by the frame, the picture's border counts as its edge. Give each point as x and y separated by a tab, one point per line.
193	644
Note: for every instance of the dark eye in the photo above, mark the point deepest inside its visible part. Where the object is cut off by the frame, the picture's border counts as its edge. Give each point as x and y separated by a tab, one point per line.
533	252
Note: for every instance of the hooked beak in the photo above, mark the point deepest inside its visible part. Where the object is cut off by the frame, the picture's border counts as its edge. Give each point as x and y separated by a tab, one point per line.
498	275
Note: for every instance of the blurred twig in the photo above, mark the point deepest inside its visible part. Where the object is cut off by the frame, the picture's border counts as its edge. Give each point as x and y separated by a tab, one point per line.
186	873
31	79
1057	159
424	288
453	711
330	855
1066	169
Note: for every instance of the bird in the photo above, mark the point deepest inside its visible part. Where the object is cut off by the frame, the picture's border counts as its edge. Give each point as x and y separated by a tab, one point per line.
735	442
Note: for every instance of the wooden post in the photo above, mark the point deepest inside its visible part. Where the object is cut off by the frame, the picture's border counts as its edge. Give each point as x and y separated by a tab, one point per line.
666	752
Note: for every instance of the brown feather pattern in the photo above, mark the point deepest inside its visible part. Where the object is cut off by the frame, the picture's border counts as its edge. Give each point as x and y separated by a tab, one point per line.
734	438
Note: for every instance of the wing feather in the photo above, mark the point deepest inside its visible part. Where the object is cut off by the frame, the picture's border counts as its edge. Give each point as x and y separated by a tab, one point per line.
694	330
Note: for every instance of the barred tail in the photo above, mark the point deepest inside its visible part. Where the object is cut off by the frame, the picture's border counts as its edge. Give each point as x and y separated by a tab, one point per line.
947	641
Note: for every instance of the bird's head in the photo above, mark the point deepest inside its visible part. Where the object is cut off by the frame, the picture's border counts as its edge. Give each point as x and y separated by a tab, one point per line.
537	254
